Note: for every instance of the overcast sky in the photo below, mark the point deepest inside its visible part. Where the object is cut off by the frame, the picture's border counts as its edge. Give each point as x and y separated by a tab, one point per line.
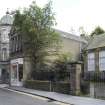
69	13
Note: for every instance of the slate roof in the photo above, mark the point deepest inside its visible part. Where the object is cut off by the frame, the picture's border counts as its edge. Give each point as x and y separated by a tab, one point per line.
96	42
70	36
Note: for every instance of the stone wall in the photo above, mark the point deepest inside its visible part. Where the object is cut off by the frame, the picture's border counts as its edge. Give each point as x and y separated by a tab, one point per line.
60	87
75	77
74	68
26	68
72	46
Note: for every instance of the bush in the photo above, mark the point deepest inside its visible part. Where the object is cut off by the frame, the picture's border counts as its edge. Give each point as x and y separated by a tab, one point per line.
38	85
43	75
61	87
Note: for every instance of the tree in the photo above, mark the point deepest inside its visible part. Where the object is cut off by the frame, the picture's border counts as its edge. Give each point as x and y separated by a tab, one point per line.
83	33
60	66
35	24
97	31
65	57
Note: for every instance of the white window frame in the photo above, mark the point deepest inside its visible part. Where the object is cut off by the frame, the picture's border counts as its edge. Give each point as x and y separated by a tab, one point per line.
91	61
102	60
4	54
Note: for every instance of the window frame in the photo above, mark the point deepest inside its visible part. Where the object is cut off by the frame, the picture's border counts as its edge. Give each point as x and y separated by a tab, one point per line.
91	61
101	57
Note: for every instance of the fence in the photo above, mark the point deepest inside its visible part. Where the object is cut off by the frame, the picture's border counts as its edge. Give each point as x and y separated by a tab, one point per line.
94	76
97	83
56	79
61	86
97	90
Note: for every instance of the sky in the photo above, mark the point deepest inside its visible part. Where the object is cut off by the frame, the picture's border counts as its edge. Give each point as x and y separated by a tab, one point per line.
70	14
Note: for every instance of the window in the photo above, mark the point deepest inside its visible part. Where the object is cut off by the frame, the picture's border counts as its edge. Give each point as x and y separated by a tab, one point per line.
4	54
16	43
13	45
5	35
91	62
102	60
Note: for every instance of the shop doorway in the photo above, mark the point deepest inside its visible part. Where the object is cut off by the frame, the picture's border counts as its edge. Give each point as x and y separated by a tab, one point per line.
17	75
20	73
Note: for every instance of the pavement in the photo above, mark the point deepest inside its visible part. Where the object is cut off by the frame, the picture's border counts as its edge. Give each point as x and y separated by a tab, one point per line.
69	99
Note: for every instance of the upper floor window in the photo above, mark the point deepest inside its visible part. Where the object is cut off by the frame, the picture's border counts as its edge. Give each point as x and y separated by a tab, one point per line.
102	60
5	35
4	54
91	62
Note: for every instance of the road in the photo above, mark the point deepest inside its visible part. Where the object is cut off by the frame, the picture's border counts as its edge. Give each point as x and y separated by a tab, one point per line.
8	97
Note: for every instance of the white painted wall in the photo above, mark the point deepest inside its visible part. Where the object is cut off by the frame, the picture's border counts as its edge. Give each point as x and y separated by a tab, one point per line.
19	61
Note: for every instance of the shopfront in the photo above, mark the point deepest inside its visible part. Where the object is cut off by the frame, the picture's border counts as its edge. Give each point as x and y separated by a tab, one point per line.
16	72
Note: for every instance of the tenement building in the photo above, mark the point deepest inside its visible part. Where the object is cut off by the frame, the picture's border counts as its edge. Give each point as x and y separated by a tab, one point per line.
5	27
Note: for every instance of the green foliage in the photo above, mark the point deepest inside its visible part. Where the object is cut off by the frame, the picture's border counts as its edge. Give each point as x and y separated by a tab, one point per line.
97	31
60	66
64	57
61	87
35	24
37	84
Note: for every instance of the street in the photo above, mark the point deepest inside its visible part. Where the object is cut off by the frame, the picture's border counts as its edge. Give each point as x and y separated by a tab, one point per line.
13	98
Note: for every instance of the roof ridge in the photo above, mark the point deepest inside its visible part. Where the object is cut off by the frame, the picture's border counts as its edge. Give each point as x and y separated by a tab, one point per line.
71	36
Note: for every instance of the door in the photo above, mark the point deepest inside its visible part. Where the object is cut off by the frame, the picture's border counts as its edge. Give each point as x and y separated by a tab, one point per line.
20	74
14	75
4	76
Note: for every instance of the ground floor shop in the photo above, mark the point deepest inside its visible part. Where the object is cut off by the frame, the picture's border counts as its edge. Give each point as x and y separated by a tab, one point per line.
16	72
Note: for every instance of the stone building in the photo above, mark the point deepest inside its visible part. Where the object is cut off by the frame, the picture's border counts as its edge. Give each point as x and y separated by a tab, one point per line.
95	51
94	64
5	26
20	65
16	59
